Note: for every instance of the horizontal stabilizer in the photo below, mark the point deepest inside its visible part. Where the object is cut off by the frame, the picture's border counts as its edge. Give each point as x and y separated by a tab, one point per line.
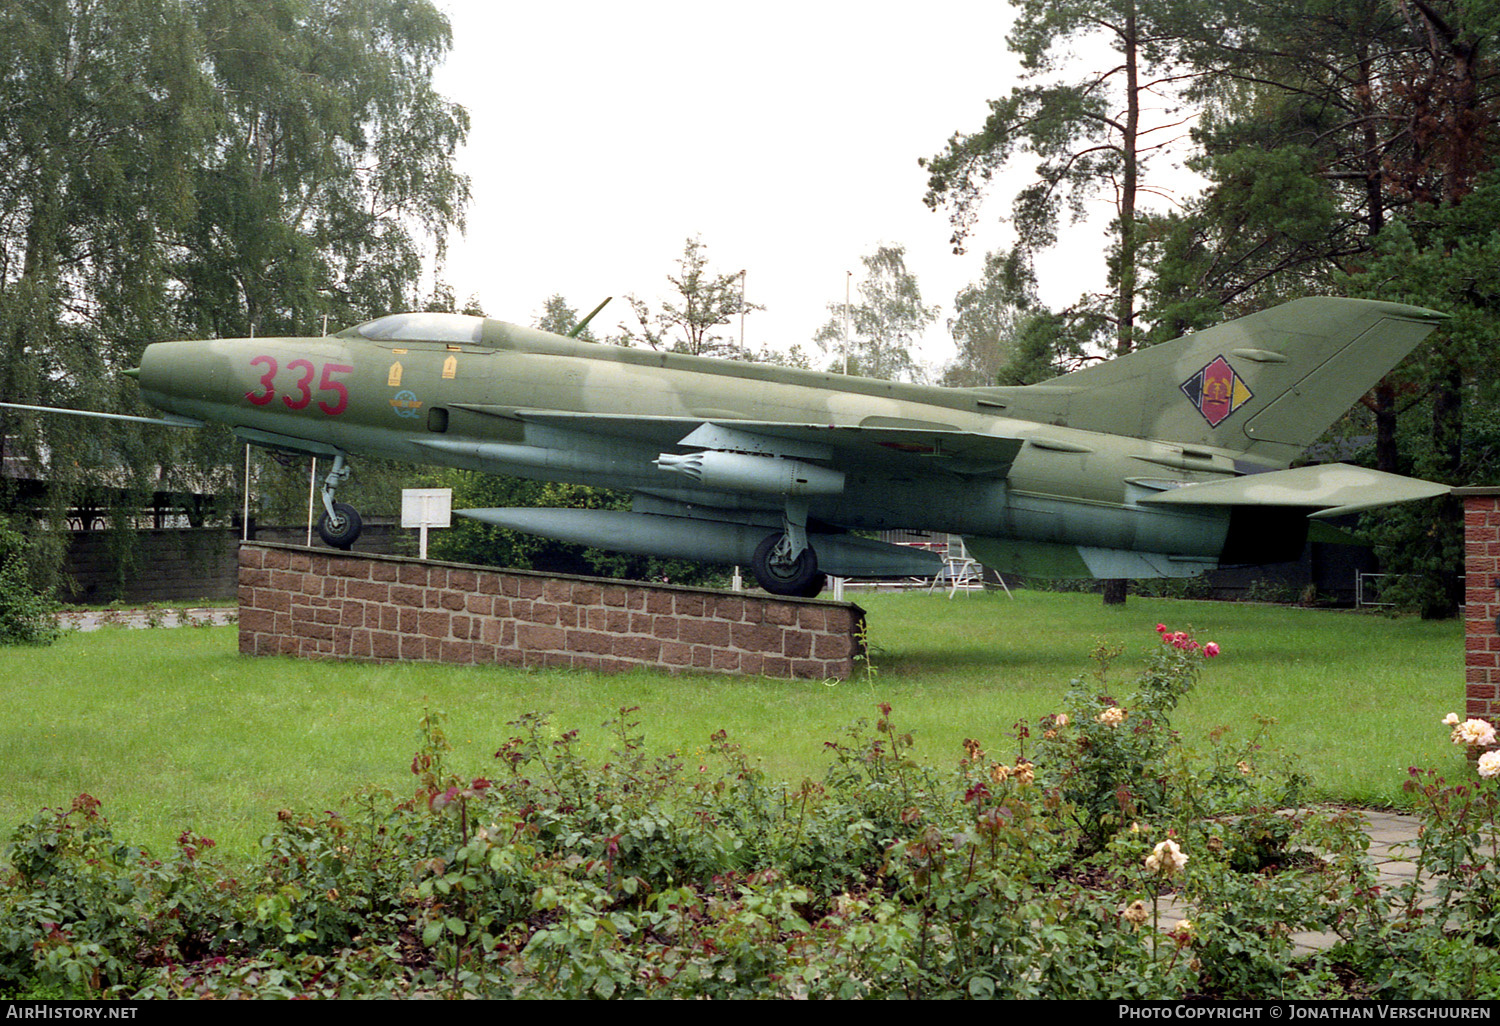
1331	489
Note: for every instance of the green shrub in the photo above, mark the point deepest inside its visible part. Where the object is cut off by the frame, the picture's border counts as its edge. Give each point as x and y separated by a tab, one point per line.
1046	875
27	614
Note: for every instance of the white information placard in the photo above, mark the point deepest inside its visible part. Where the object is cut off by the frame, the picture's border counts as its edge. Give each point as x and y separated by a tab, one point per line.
427	507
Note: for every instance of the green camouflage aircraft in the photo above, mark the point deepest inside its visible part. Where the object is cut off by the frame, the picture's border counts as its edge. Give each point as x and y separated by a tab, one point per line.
1164	463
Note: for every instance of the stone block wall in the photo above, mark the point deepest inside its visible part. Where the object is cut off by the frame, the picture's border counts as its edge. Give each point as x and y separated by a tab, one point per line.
324	604
1481	602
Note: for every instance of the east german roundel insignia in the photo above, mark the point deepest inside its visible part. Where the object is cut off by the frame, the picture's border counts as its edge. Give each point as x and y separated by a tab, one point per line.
1217	391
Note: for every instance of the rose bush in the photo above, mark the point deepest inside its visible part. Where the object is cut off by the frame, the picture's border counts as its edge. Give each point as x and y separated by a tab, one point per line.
1049	874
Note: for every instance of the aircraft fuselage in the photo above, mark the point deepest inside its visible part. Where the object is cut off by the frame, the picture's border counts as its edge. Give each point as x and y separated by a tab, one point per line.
465	403
1162	463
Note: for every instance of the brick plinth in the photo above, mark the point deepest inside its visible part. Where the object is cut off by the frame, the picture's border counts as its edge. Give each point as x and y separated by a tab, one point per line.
1481	602
320	604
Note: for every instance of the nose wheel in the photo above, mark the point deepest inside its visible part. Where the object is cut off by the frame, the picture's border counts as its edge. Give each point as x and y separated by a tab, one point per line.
342	527
340	524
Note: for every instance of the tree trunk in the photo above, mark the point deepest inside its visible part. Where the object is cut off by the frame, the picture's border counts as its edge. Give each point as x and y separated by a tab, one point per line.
1116	589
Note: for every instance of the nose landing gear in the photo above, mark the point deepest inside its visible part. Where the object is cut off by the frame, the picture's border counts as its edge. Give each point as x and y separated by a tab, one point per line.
340	524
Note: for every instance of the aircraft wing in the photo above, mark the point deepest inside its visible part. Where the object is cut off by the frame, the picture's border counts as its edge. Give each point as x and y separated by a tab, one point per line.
1330	490
876	441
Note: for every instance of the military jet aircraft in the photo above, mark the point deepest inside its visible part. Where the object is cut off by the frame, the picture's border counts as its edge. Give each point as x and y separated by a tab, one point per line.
1163	463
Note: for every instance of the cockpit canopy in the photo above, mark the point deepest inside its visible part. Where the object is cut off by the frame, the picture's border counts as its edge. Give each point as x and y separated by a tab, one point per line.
420	327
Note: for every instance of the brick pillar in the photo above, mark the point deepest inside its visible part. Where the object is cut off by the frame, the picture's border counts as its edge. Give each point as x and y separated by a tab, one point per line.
1481	602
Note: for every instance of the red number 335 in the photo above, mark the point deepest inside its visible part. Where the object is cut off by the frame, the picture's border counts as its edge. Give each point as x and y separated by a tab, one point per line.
302	390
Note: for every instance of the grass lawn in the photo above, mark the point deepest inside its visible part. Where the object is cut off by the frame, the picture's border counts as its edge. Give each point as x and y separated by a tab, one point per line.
174	729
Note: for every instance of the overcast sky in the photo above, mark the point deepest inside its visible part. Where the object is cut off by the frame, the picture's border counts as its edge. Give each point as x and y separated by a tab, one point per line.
785	135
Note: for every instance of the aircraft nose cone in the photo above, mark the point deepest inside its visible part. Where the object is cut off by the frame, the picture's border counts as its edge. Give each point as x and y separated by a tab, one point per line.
156	373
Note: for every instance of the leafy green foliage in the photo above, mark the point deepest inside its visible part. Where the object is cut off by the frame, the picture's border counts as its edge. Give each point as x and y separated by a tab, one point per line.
1003	335
1091	130
330	147
1436	935
704	303
1445	257
201	168
27	612
1109	756
1298	127
1349	149
883	326
644	875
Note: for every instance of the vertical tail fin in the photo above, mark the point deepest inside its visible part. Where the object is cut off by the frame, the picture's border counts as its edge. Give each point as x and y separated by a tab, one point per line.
1268	384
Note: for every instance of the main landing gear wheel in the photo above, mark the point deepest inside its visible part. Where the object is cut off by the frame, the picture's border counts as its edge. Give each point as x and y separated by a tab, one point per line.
342	528
783	576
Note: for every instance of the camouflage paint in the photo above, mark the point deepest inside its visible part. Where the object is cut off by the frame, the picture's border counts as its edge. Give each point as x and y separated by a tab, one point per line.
1128	468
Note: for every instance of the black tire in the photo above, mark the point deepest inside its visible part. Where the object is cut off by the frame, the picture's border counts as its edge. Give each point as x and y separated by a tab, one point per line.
341	533
815	586
802	578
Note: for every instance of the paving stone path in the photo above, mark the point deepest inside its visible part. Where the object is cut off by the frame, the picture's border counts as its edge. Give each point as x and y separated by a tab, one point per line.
1393	845
93	620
